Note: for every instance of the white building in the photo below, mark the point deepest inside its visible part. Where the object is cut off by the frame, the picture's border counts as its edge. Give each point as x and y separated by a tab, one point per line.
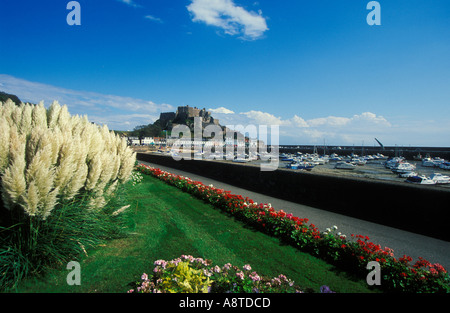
147	141
133	141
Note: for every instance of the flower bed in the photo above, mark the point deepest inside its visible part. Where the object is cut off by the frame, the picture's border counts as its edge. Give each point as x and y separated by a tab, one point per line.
187	274
349	253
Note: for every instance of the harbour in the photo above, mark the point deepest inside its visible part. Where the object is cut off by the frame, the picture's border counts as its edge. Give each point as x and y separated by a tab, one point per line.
384	168
390	164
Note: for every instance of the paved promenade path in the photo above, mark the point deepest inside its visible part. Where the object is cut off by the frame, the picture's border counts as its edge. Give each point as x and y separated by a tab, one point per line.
402	242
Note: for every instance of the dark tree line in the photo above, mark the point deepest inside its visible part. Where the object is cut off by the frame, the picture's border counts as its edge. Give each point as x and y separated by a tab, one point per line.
150	130
5	96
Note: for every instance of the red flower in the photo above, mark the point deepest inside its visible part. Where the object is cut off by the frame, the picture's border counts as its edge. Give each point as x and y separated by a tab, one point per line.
405	259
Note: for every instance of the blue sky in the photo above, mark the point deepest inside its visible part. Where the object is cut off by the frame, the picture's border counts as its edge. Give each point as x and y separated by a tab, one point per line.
315	68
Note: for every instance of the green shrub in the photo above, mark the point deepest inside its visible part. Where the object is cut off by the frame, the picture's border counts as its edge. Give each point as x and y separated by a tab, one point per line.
62	181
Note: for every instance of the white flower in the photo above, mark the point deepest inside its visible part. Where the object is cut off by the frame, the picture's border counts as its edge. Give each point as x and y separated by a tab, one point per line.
335	227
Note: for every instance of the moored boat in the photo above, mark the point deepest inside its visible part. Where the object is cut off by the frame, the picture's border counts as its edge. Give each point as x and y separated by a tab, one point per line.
390	163
403	167
359	161
345	166
422	180
432	162
440	179
241	160
407	174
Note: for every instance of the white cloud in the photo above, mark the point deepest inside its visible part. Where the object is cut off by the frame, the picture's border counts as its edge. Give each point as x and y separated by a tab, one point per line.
153	18
299	122
340	130
371	118
263	118
221	110
232	19
118	112
130	3
328	121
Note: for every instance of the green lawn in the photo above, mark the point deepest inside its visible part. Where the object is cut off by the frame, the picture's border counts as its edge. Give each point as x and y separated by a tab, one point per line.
166	223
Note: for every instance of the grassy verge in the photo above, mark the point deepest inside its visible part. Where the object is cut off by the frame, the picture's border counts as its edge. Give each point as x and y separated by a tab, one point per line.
166	223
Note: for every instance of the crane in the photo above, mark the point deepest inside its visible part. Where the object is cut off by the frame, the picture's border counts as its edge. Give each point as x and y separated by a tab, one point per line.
381	145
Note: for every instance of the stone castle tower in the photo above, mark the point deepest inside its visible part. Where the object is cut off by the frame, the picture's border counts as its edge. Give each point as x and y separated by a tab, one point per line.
186	114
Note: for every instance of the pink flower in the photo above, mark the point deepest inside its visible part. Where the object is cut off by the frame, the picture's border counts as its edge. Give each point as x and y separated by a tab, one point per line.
254	276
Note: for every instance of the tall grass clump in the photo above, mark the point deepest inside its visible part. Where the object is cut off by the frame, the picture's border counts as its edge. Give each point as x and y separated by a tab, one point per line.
62	181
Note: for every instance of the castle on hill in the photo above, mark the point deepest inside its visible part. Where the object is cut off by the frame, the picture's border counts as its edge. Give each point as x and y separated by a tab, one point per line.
185	115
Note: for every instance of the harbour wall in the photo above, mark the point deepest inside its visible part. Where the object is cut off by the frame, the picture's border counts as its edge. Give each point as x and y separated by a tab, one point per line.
415	208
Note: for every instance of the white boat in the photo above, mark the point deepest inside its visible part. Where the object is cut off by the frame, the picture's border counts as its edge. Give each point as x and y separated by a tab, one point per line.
432	162
393	162
336	158
407	174
345	166
428	162
380	156
440	179
403	167
359	161
445	166
240	159
318	161
422	180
